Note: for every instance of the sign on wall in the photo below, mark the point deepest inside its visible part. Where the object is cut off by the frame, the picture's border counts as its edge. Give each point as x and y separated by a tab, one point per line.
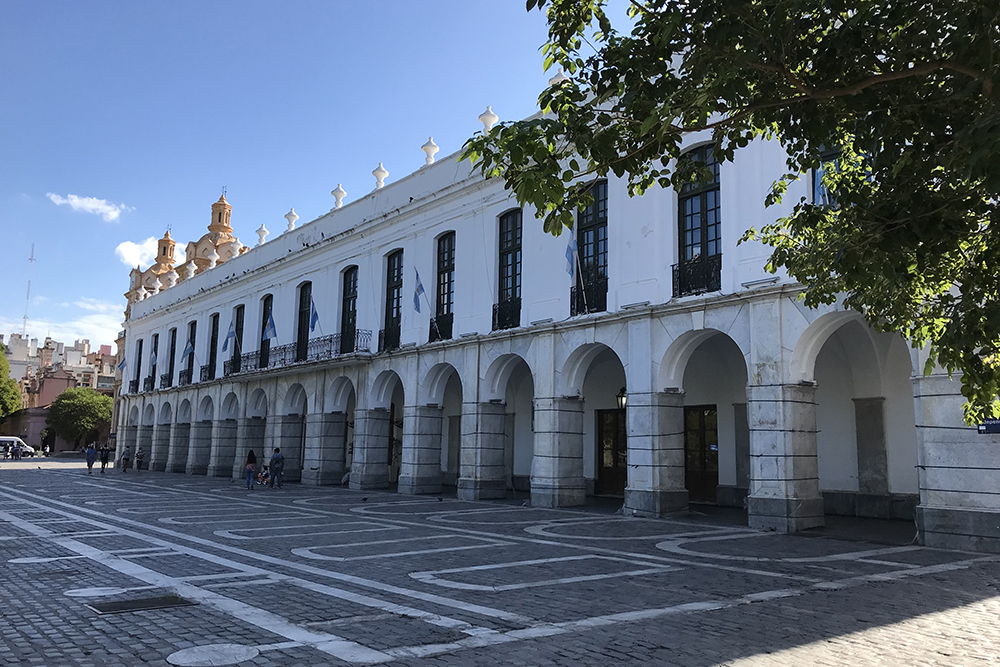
990	426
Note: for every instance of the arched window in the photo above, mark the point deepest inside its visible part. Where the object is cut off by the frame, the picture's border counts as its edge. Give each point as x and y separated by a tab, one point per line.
590	294
699	230
441	324
389	336
267	330
304	322
507	311
349	312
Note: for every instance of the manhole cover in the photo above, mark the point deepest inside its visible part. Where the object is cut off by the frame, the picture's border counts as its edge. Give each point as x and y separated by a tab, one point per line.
212	655
142	604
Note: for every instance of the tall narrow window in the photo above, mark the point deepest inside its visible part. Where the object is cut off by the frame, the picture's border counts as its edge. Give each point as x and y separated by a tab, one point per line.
148	384
441	324
266	306
167	379
389	336
134	384
235	363
208	370
302	328
590	295
188	353
828	161
349	312
699	226
507	311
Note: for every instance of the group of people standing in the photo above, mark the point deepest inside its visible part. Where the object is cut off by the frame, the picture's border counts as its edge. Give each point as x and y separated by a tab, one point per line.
274	468
105	456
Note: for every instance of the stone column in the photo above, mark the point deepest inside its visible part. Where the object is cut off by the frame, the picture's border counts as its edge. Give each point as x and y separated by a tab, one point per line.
482	471
873	466
784	486
144	439
326	449
420	468
655	424
742	422
160	448
199	448
370	468
249	435
557	466
290	435
957	466
223	450
177	454
130	439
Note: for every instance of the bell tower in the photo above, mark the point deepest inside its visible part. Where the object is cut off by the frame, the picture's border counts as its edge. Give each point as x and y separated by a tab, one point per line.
221	210
165	250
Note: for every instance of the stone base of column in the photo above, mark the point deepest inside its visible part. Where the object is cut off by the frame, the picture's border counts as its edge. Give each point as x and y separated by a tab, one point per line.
199	448
481	489
785	515
552	497
369	481
370	469
655	503
416	485
177	452
956	528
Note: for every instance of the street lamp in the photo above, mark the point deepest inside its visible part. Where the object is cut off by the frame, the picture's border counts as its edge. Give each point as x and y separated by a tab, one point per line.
622	398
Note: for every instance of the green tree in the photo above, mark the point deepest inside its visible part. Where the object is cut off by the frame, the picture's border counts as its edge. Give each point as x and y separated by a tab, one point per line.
77	412
905	91
10	395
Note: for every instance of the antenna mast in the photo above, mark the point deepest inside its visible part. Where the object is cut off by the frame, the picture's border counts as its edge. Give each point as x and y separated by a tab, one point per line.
27	295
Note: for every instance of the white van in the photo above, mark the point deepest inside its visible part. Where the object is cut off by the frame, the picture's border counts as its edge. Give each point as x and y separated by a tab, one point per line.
8	441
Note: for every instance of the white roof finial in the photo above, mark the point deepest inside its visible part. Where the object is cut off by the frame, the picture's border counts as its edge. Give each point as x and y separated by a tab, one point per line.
488	119
262	234
380	174
339	195
430	148
558	78
291	217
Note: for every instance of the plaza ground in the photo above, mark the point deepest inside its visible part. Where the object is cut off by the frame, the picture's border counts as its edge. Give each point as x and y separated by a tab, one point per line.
314	576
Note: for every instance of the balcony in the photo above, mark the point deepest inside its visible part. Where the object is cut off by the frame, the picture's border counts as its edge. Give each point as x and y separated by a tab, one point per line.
166	381
133	386
355	340
697	276
207	373
318	349
388	339
507	314
232	366
593	298
148	383
441	327
184	378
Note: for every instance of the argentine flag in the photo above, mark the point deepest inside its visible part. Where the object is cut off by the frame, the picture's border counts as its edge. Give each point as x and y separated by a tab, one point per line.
123	364
188	349
314	315
571	255
230	334
269	331
417	291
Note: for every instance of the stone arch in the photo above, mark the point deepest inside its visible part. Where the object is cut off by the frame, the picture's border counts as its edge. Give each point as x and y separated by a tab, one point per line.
148	415
338	394
436	380
184	412
206	409
811	341
133	416
165	413
296	400
578	364
675	359
382	389
230	407
257	405
494	385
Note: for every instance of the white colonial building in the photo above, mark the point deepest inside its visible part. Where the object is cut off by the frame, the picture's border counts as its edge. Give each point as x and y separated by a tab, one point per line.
670	368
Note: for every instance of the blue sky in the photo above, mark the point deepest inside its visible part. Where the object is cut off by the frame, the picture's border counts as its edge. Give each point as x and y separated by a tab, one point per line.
118	119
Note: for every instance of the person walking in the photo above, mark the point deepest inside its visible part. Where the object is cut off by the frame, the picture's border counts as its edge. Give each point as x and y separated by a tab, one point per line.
139	456
91	457
249	468
126	458
105	453
277	463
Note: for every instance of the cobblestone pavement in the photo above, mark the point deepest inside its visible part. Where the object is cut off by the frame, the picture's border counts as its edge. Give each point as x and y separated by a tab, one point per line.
316	576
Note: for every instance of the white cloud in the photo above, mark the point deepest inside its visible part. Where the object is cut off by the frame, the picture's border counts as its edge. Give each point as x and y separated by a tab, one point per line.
102	207
98	328
98	306
142	254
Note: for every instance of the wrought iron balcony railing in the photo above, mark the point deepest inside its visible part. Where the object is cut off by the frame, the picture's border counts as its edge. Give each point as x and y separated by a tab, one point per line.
133	386
388	339
148	383
507	314
697	276
166	381
184	378
232	366
593	298
207	373
441	327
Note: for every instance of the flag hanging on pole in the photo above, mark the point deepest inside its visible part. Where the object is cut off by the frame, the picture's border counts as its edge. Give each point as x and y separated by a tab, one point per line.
417	291
152	358
571	255
188	349
314	314
270	331
231	334
123	364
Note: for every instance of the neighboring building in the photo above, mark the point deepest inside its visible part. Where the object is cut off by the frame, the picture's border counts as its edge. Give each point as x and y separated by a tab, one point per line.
22	355
669	368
